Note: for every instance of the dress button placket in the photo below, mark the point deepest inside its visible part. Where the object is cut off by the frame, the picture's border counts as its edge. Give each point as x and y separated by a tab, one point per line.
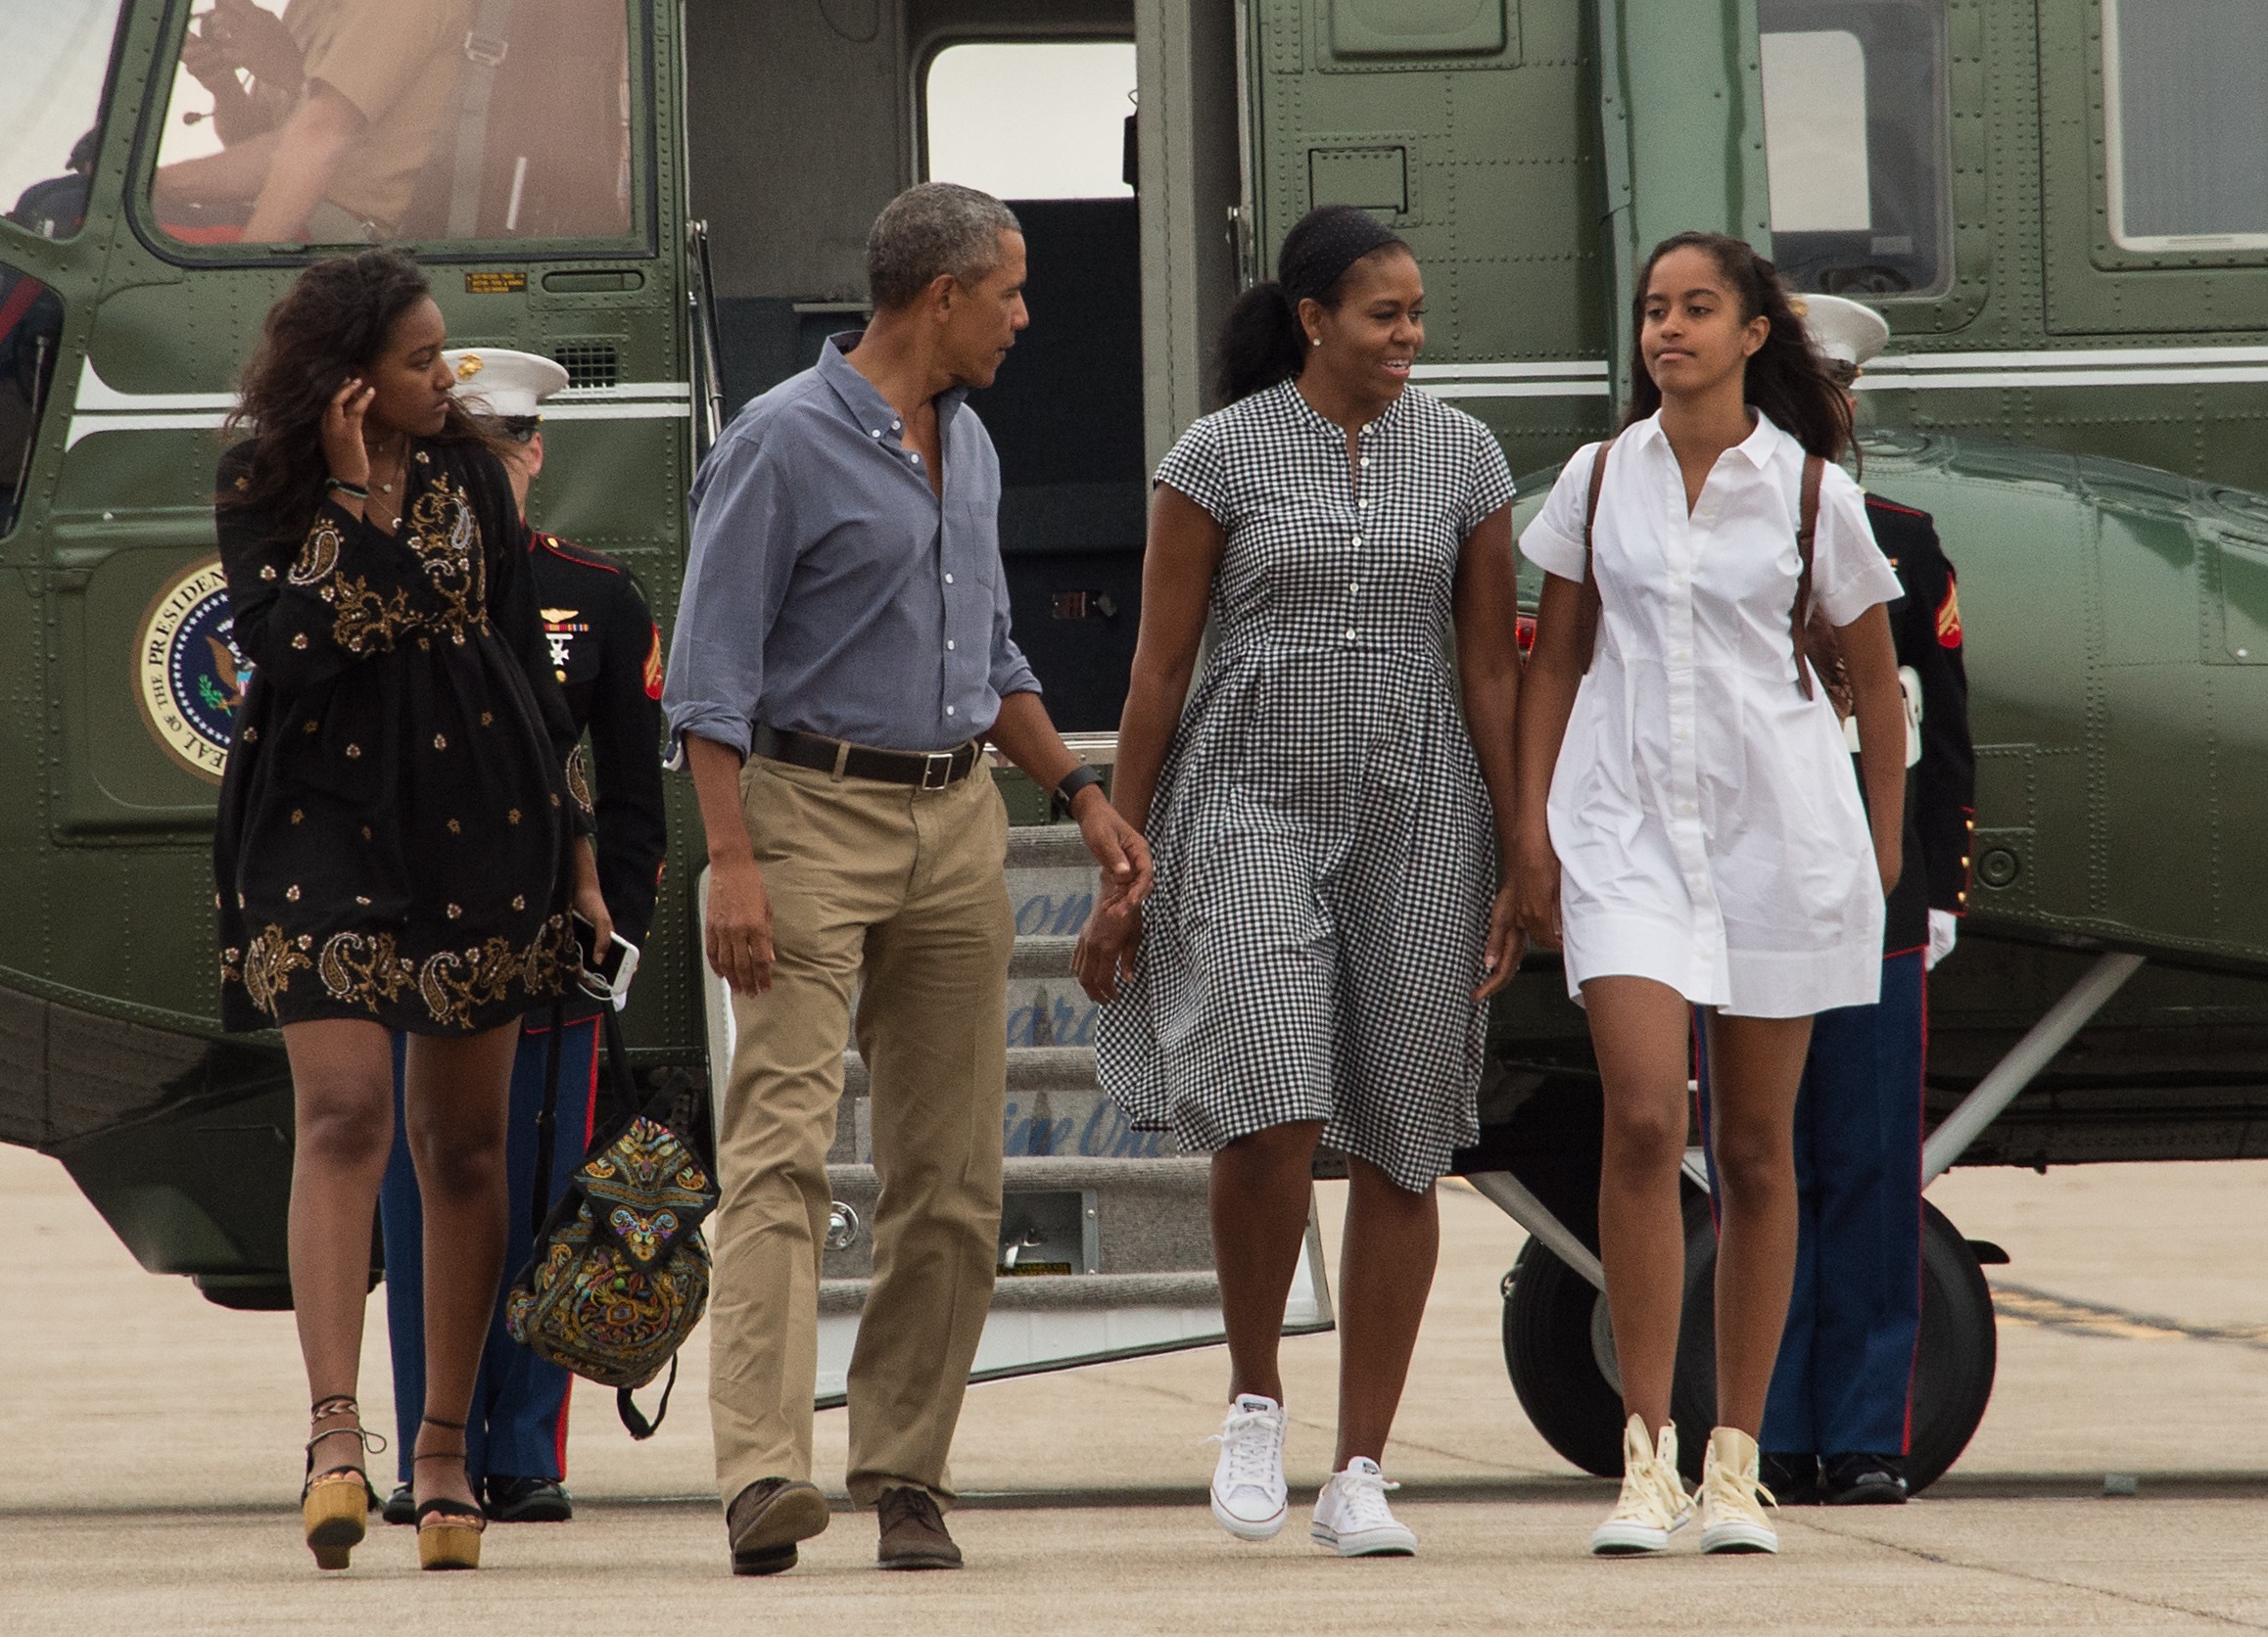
1682	560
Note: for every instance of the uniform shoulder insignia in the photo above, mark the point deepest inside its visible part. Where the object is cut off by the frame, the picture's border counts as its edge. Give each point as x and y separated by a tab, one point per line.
653	667
1880	504
1949	613
579	556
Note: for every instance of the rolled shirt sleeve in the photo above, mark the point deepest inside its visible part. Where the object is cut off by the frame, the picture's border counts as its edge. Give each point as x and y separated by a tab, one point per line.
742	554
1553	538
1849	572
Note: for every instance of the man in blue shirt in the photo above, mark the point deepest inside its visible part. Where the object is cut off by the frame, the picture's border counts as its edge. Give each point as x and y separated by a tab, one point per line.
841	650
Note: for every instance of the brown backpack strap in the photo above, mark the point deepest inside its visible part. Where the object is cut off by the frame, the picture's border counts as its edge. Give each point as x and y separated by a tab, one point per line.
1588	616
1807	526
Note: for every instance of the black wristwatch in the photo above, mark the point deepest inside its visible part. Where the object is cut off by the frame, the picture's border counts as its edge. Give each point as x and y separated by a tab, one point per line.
1067	788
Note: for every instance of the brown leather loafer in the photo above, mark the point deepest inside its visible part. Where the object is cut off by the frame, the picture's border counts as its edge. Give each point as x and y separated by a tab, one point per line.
914	1532
768	1518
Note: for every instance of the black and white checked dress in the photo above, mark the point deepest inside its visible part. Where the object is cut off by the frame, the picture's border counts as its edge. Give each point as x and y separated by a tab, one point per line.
1324	846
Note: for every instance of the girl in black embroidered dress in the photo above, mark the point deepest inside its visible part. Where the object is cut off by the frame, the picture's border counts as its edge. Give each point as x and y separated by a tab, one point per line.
400	836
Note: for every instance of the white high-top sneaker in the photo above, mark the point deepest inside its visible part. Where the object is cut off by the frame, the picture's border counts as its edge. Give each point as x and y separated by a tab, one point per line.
1352	1518
1653	1505
1247	1482
1733	1496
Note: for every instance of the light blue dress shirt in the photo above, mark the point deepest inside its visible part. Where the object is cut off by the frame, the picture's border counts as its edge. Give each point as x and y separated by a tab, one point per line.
829	590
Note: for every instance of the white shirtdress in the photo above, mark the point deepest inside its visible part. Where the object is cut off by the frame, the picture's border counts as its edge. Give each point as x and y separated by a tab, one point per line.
1708	830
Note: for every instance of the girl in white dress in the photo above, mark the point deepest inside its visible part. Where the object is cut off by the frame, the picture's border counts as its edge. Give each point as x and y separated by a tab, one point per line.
1687	828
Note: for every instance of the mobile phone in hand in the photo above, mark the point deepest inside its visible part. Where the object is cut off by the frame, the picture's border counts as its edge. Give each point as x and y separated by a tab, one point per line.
606	973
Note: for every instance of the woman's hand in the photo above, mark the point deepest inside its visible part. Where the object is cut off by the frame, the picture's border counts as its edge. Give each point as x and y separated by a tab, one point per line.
1502	957
1889	856
589	902
1104	957
343	450
1534	887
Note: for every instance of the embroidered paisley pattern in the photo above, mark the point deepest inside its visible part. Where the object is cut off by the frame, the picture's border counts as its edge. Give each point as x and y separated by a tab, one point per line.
270	962
454	983
318	553
579	779
362	967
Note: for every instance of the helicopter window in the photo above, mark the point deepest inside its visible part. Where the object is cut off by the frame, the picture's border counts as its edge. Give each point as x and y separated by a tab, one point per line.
31	327
349	122
2185	127
1032	121
51	96
1855	131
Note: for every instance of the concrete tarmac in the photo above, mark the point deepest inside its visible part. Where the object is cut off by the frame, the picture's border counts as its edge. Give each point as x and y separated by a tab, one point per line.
149	1462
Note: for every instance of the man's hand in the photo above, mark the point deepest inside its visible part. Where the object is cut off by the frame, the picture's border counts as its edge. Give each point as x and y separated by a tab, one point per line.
739	926
1119	848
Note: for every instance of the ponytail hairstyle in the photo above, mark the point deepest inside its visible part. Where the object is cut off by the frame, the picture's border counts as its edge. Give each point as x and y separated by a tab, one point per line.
1786	379
1262	343
332	323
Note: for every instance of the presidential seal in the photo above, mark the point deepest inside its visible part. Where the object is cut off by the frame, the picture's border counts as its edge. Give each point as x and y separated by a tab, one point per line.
189	677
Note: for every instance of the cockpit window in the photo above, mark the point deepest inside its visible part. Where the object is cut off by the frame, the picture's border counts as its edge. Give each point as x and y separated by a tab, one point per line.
1856	127
371	121
2186	123
52	70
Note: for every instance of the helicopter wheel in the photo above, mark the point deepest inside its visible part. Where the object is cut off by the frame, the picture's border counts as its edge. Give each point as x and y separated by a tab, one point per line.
1953	1361
1559	1351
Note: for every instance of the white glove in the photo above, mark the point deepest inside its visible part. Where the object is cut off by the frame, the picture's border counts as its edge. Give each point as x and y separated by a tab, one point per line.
1944	927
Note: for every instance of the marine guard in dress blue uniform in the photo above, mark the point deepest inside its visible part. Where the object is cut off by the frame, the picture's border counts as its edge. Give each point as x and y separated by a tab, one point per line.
607	653
1837	1422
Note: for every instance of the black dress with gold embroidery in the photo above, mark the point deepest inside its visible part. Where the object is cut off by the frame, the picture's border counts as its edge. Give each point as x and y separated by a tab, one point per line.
396	819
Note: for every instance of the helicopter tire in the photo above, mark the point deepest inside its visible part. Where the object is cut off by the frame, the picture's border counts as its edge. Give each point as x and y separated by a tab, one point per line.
1954	1362
1555	1374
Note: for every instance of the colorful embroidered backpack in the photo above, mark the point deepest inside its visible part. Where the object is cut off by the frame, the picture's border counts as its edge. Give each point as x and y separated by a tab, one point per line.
620	1275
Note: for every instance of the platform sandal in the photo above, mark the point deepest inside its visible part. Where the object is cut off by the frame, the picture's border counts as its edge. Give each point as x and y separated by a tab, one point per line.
334	1501
448	1532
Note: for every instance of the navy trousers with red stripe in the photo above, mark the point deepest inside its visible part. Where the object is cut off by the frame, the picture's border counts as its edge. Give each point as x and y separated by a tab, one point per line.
518	1426
1845	1377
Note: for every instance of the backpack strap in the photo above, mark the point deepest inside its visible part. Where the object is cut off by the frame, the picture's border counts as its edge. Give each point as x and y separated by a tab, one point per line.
1806	526
1587	609
546	1124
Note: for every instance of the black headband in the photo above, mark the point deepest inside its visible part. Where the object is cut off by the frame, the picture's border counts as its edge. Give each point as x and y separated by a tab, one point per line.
1323	246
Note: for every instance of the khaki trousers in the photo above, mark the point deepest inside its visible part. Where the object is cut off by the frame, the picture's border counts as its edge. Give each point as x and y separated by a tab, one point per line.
896	894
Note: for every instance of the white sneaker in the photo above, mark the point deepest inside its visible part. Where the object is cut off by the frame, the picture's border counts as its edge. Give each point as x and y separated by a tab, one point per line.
1733	1497
1352	1518
1653	1505
1247	1482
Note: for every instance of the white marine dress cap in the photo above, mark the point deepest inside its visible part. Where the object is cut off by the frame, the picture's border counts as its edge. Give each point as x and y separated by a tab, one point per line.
1846	331
497	381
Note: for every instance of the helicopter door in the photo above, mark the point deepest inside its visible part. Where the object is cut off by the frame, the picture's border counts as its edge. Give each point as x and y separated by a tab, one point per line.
1469	126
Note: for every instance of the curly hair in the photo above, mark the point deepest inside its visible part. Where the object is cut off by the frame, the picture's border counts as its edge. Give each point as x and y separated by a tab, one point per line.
1787	377
332	324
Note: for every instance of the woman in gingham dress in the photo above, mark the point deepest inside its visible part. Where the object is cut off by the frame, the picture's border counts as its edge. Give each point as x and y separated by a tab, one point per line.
1314	961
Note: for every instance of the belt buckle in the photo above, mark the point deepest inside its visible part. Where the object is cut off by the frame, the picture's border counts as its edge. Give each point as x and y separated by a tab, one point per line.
937	769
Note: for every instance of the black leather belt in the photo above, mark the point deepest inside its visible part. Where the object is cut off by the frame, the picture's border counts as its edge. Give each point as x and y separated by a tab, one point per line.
931	770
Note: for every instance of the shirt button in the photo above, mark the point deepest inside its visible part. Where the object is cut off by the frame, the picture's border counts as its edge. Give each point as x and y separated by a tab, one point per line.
948	644
894	425
1683	807
915	458
1366	460
948	580
1357	539
948	710
1351	634
1679	656
1364	504
1353	587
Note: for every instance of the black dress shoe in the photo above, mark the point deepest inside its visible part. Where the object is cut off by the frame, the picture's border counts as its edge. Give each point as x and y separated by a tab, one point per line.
401	1506
1863	1480
1793	1480
526	1500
